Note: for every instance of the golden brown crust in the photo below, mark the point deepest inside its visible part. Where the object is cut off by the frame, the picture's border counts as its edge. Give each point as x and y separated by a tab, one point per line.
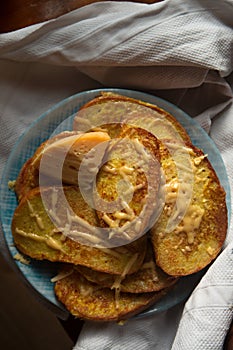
28	177
87	300
114	108
26	180
149	278
197	239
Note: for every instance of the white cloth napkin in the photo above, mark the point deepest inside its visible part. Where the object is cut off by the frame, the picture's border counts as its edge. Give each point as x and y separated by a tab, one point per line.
177	49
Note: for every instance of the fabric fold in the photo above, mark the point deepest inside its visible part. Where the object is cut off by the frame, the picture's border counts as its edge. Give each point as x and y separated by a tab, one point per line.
169	33
208	312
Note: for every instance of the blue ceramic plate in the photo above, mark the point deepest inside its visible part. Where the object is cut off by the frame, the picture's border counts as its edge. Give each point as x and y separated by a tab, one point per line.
38	274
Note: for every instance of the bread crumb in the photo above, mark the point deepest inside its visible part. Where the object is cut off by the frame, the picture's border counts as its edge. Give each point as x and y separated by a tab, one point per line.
210	251
21	258
11	185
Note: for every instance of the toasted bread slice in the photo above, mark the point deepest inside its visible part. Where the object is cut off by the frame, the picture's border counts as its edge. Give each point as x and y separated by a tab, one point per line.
61	159
111	108
58	160
128	184
149	278
88	300
28	177
187	245
39	236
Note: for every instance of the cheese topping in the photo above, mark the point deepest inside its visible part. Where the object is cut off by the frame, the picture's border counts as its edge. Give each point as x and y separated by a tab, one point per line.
191	221
11	184
117	283
128	210
53	210
138	225
111	223
171	189
123	216
133	189
141	149
82	222
125	171
22	259
33	214
110	170
61	276
77	234
114	253
117	298
210	250
50	241
198	160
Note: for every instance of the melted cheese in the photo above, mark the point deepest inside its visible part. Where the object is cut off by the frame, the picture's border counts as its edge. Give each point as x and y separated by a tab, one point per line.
111	223
110	170
191	222
61	276
11	184
210	251
124	219
126	170
33	214
53	211
117	298
138	225
51	242
129	265
171	190
77	235
114	253
182	201
81	222
128	210
122	216
198	160
21	258
141	150
119	279
117	283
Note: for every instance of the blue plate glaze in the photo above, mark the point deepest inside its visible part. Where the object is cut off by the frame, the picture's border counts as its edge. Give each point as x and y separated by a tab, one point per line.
38	274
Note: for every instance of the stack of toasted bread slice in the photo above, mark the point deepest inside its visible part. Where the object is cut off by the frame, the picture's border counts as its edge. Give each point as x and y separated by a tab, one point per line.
147	209
88	300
